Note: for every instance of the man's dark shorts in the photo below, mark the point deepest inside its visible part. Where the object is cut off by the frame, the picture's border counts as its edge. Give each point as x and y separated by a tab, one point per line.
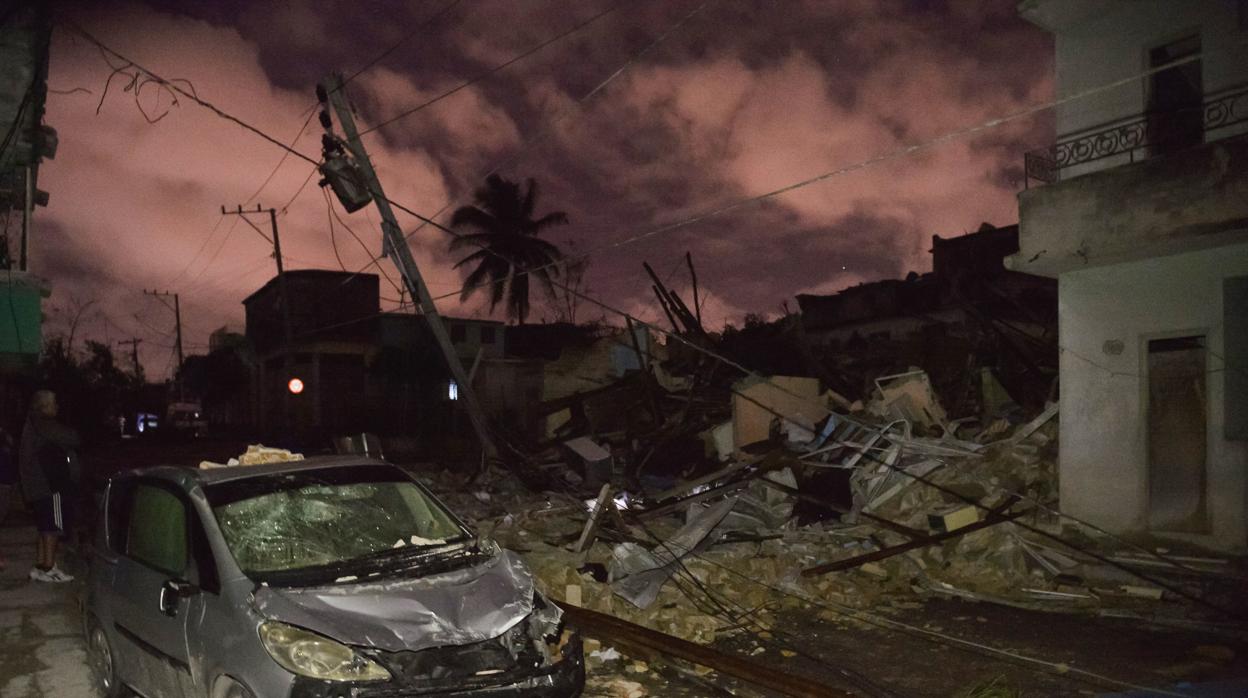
54	514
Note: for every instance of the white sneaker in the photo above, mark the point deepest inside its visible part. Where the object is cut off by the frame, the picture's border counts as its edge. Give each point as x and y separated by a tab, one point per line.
38	575
56	574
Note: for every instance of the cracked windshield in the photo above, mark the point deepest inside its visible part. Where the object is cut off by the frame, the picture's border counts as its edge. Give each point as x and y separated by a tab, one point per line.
290	522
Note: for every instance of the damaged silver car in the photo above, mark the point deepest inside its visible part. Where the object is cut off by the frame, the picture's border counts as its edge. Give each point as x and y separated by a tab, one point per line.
328	577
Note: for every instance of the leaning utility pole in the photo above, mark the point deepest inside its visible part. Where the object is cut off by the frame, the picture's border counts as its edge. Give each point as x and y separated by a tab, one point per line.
283	293
394	243
134	352
177	315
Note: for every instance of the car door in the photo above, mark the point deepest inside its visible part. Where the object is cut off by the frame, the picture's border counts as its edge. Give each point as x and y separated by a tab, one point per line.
153	599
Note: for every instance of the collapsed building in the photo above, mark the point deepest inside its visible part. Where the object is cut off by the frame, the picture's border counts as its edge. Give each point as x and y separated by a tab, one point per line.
975	326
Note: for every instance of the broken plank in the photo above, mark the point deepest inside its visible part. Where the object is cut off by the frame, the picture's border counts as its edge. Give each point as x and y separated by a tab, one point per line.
704	480
616	631
1030	427
992	519
591	524
701	496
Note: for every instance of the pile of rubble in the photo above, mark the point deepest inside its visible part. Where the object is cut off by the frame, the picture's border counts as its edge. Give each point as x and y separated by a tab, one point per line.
837	508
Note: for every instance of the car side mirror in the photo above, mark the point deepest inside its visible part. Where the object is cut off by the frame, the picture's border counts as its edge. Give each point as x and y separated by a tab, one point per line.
173	591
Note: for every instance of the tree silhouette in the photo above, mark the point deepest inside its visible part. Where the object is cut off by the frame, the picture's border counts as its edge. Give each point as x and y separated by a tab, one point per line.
509	250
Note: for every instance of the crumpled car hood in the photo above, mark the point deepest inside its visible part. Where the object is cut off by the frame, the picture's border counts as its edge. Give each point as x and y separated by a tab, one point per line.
452	608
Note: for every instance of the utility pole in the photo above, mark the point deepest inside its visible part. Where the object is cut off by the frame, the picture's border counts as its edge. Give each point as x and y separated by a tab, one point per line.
177	315
28	206
282	291
134	352
396	245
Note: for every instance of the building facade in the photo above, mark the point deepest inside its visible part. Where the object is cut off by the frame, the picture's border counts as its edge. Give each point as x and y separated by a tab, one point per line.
1140	211
358	368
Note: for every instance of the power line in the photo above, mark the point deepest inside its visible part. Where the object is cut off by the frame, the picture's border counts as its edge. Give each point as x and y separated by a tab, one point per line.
200	251
889	623
515	59
333	215
311	173
863	164
382	56
895	154
76	28
536	138
228	232
285	154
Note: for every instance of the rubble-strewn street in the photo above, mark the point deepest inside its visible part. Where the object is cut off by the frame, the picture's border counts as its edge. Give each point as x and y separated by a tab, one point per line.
563	348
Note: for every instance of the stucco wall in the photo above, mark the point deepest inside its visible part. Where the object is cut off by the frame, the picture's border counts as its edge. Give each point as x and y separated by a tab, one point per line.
1103	457
1168	204
1114	44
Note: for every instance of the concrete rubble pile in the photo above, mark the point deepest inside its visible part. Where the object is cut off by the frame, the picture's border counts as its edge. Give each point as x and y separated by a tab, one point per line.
833	511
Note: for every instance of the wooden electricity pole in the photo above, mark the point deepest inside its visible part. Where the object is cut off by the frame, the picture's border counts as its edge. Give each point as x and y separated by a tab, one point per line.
276	242
177	315
396	244
134	352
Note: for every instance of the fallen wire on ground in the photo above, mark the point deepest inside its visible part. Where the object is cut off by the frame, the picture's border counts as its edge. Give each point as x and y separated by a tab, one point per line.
642	508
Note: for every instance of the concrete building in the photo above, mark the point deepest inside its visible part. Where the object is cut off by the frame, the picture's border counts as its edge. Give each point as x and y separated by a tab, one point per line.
25	33
1140	211
360	369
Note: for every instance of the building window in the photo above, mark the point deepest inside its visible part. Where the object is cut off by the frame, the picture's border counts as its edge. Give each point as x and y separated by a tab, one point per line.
459	332
487	335
1175	97
452	390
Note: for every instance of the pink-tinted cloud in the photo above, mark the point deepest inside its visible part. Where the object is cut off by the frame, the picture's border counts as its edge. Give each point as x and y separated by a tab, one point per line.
745	98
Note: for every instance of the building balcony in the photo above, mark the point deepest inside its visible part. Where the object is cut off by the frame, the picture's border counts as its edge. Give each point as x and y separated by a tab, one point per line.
1222	115
1193	198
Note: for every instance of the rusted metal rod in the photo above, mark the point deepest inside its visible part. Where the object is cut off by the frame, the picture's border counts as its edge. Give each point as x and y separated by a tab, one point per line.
625	634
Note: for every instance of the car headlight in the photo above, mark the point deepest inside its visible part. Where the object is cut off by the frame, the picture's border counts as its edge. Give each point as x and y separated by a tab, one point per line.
308	654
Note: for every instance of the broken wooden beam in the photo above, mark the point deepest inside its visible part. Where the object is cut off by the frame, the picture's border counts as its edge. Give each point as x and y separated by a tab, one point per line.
616	631
994	517
707	479
591	525
679	504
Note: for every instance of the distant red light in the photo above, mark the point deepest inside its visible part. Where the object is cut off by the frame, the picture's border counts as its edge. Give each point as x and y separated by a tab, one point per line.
295	386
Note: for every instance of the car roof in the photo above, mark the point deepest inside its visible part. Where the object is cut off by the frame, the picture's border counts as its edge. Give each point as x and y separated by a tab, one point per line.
187	476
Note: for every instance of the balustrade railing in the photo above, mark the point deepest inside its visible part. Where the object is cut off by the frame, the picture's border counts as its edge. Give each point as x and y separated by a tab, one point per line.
1145	136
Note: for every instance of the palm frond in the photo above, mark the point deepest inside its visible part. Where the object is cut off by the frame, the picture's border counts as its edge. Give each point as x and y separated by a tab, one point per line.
474	217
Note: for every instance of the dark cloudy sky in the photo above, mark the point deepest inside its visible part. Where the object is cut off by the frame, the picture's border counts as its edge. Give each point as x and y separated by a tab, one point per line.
744	97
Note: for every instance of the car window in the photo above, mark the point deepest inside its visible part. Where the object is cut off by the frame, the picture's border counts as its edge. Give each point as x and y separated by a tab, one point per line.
291	522
157	529
119	515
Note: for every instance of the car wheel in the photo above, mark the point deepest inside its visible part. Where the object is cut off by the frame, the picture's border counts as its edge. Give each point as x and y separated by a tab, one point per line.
103	667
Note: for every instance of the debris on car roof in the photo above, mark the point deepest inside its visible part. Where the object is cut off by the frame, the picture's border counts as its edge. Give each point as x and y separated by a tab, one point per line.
256	454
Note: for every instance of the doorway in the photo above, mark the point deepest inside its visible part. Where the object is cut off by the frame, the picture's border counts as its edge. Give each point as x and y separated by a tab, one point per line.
1177	429
1176	97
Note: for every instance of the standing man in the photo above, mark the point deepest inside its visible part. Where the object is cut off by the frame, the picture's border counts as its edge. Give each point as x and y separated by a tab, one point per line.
48	465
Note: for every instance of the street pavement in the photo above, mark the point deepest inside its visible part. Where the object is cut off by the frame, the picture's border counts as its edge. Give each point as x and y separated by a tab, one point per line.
41	648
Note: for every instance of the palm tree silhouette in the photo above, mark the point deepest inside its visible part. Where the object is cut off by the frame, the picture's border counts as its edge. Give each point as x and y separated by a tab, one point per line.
508	249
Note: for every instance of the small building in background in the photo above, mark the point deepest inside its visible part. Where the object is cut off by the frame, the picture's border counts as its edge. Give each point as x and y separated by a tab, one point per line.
359	368
969	314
